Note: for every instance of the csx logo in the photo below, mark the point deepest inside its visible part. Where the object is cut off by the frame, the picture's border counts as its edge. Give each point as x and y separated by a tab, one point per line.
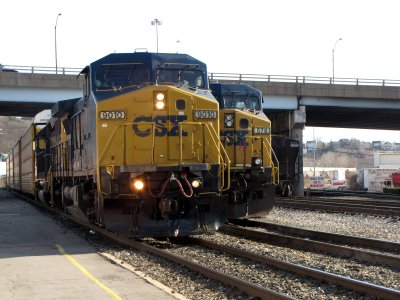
160	125
240	134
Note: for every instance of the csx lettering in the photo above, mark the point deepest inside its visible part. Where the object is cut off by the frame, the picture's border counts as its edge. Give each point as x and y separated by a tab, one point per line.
160	128
240	137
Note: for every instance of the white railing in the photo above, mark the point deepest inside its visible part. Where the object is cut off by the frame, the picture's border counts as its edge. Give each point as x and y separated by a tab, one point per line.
40	70
302	79
226	76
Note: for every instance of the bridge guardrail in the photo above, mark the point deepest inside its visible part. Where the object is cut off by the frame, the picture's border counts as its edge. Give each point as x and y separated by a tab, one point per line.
40	70
303	79
226	76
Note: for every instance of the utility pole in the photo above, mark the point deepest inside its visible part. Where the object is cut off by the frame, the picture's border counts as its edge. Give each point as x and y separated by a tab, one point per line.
55	41
156	22
333	61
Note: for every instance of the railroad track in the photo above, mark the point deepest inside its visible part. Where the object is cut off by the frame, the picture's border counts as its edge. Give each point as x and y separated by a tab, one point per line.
245	285
327	248
343	204
381	245
363	194
319	275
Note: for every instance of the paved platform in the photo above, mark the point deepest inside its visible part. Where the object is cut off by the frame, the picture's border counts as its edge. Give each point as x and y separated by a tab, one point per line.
41	260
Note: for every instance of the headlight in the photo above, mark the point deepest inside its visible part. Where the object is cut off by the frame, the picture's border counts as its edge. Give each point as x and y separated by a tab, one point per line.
228	120
195	183
160	96
160	105
159	101
138	185
257	161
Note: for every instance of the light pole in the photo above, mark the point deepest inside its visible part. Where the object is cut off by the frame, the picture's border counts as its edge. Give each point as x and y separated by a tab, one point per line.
333	61
314	147
156	22
55	40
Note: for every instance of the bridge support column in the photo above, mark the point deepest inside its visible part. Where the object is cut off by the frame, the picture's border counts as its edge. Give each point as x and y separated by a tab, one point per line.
291	123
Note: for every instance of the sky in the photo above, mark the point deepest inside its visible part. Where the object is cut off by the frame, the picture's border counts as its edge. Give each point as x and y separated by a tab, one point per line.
280	37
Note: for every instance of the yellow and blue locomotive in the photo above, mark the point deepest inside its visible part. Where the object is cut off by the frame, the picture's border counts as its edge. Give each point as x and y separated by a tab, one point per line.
149	151
140	152
246	136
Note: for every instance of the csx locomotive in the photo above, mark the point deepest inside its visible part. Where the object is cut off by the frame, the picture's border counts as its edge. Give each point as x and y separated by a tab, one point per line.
141	152
246	136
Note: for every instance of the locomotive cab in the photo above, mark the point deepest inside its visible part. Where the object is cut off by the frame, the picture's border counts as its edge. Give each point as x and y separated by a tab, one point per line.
246	136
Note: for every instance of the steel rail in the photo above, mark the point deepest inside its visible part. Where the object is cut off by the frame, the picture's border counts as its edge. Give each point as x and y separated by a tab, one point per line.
358	209
249	288
348	203
353	284
365	194
361	202
382	245
300	243
345	200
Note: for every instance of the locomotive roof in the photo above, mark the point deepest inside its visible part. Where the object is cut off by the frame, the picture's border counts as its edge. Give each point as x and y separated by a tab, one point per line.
155	59
220	89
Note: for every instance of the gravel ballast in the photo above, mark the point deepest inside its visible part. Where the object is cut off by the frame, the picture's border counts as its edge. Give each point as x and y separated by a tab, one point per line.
377	227
195	286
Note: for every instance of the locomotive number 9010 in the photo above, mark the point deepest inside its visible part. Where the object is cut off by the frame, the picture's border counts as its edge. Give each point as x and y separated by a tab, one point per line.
112	115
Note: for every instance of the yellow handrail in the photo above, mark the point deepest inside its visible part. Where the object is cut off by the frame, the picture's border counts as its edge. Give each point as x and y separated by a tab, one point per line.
224	165
275	169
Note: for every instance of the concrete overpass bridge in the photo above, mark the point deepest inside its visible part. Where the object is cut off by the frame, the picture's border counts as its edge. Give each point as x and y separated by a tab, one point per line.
344	102
319	101
25	90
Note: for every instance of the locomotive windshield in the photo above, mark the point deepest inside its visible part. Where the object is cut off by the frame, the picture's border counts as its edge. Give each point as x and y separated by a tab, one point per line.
238	100
179	74
120	76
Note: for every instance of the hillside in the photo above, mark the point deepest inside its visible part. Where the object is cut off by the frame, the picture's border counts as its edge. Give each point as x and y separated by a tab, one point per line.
344	153
11	129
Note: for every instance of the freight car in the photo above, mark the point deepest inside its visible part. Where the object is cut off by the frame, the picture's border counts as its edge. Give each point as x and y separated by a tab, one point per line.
246	136
287	152
139	153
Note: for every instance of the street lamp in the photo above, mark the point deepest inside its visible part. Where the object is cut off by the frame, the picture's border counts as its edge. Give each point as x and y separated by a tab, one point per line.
314	147
333	61
55	40
156	22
